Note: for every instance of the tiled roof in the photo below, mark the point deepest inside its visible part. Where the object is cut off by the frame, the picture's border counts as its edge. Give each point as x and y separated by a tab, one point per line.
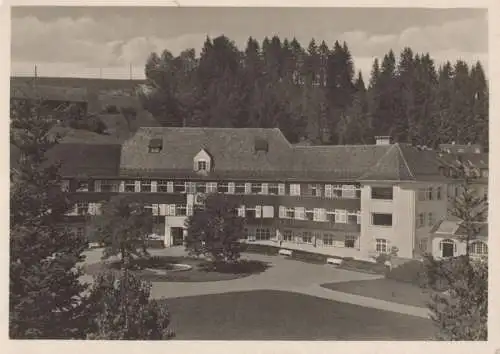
451	227
232	149
86	160
234	156
336	162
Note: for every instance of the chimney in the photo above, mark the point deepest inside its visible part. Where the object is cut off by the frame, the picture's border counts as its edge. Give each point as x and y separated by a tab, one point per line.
383	140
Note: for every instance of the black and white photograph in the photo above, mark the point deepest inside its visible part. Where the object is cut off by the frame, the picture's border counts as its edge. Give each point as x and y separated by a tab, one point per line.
249	173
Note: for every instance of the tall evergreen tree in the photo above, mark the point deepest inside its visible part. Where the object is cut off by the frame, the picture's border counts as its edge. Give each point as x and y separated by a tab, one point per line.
45	295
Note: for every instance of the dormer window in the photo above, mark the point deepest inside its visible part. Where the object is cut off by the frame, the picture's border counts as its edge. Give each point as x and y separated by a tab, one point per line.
202	165
202	162
155	146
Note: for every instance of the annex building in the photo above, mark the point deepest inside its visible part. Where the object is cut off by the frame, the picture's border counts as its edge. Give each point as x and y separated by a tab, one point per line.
348	201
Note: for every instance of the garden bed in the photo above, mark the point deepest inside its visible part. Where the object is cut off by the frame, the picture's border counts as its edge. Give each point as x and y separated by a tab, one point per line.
182	269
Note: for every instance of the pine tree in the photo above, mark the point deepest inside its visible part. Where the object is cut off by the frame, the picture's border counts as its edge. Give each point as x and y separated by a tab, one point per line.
459	301
45	292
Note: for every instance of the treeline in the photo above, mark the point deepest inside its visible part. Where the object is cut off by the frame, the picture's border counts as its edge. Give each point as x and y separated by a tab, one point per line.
314	93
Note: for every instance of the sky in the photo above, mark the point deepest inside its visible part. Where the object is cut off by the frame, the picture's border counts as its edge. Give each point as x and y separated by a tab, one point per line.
111	42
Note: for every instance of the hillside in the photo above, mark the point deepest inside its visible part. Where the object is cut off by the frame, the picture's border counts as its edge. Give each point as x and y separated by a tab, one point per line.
92	85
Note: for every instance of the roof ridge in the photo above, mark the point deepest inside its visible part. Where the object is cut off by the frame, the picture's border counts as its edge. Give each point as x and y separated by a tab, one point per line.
404	160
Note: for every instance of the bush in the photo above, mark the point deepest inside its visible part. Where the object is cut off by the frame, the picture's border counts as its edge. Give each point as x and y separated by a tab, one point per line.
238	267
309	257
261	249
369	267
410	272
382	258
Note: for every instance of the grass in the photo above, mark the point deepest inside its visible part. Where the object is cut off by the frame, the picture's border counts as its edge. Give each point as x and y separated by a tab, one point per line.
277	315
202	271
384	289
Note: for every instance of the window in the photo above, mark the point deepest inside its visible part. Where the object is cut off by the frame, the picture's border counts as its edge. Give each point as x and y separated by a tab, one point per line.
256	188
381	245
211	187
348	191
201	187
129	186
263	234
155	145
110	186
145	186
82	186
290	213
422	245
353	217
431	219
328	240
250	234
82	208
438	193
385	193
191	187
202	165
295	189
273	188
310	214
350	241
239	188
381	219
485	192
447	248
341	216
180	187
163	186
268	211
421	220
287	235
331	216
314	190
478	249
80	232
337	191
307	237
223	187
180	210
429	193
250	213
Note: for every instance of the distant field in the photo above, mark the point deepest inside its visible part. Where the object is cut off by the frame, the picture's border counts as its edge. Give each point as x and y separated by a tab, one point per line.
90	84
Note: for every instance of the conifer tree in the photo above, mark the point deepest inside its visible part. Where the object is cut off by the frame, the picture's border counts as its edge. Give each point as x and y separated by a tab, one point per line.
46	295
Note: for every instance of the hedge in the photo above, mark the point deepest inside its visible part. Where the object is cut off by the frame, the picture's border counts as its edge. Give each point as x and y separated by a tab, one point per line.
410	272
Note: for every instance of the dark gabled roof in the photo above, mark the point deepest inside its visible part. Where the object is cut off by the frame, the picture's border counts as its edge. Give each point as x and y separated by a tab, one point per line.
86	160
231	149
453	227
404	163
337	162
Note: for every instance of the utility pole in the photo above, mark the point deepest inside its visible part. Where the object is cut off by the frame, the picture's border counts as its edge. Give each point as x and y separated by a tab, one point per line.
36	77
130	70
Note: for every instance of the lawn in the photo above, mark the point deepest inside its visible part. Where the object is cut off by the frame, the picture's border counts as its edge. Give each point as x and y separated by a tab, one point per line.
277	315
200	271
384	289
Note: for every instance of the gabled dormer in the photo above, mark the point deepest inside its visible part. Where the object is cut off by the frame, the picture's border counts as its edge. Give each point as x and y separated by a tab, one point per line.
202	162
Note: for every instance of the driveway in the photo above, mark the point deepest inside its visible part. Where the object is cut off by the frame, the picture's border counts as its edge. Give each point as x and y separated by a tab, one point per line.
282	275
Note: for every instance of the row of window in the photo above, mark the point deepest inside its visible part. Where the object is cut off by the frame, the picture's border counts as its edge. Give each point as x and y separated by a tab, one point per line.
448	248
165	186
430	193
306	237
426	219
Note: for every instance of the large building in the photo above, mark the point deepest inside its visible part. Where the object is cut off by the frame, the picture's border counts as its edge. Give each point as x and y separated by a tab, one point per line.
348	201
